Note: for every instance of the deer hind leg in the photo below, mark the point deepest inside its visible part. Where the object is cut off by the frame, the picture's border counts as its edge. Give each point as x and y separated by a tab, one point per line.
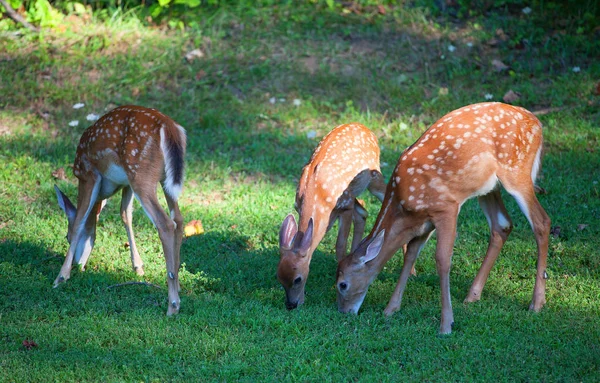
166	232
344	224
540	224
84	227
126	216
178	237
411	253
359	219
500	227
377	185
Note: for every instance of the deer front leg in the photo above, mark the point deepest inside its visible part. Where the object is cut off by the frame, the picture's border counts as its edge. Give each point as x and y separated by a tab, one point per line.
127	217
446	232
83	227
411	253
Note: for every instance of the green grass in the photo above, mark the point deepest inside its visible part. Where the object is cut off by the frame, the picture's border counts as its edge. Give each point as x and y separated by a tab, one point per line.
244	158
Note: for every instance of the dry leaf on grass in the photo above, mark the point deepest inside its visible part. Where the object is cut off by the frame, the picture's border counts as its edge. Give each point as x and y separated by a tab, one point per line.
194	54
193	228
200	74
511	96
581	226
59	174
499	66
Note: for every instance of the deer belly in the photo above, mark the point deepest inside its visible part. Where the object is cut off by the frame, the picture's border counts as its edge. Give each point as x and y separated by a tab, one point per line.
113	179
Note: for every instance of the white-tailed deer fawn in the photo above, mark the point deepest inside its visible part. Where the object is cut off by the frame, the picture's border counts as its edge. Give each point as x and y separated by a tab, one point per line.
134	149
344	164
464	154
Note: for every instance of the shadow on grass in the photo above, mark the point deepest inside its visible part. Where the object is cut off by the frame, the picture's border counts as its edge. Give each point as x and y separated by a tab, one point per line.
227	315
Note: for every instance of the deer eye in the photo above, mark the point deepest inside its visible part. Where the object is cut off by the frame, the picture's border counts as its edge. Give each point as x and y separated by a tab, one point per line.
343	286
297	280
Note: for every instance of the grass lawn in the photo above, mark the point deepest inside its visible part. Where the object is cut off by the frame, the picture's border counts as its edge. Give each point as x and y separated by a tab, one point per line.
265	85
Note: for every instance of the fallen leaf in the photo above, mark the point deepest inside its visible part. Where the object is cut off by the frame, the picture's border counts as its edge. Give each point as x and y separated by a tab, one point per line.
501	35
59	174
310	63
194	54
493	42
381	9
511	96
597	90
581	226
499	66
193	228
555	231
126	245
200	75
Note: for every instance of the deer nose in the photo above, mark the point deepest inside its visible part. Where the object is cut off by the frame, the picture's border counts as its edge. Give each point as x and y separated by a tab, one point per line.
291	305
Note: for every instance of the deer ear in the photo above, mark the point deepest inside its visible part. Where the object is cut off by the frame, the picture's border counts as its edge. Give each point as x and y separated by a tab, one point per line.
374	248
306	239
288	231
65	204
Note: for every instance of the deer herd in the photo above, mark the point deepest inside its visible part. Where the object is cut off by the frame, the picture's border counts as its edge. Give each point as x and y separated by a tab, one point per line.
468	153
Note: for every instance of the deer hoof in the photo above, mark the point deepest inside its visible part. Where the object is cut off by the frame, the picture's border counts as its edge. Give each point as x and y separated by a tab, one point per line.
173	308
60	279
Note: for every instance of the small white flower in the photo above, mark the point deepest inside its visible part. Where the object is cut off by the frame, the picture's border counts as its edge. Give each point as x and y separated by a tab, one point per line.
282	100
297	102
384	164
488	96
79	105
403	126
451	48
526	10
272	100
576	69
310	135
92	117
470	44
74	123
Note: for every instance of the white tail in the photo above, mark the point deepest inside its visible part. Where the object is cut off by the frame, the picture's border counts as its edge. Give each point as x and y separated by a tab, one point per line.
344	164
465	154
134	149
